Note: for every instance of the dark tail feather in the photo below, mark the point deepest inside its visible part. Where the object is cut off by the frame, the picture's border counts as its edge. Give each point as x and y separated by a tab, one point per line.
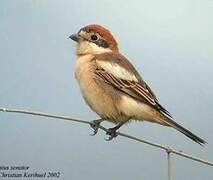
183	130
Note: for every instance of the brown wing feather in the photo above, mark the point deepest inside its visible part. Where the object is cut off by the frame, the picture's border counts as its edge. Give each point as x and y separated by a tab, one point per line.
138	90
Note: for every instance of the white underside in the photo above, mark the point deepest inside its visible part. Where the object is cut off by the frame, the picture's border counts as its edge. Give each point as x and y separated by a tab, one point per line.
135	109
97	98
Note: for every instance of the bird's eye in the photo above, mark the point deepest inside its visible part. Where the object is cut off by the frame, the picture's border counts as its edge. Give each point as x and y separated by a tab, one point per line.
94	37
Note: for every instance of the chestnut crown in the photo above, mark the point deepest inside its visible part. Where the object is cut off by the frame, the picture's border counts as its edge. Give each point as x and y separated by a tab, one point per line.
96	34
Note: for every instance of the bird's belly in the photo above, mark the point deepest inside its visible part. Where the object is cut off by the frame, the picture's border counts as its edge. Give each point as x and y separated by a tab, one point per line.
99	99
137	110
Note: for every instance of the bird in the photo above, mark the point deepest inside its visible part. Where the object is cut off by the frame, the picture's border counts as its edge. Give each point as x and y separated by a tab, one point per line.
112	87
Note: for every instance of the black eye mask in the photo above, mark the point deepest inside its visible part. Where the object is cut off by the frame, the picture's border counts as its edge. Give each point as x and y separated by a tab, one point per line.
100	42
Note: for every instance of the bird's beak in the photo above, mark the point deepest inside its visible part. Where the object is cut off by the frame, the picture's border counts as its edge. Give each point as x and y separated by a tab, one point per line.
75	37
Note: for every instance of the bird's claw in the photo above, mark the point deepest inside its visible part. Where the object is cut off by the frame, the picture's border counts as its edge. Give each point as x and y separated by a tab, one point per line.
95	126
111	132
95	131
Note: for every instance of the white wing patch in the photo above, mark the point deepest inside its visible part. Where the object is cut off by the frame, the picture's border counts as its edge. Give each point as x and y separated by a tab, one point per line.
117	71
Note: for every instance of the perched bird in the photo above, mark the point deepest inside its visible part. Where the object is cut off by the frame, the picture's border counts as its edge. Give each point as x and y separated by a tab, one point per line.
112	87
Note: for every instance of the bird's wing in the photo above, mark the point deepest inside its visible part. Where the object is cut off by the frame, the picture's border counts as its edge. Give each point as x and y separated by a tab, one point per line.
115	70
118	72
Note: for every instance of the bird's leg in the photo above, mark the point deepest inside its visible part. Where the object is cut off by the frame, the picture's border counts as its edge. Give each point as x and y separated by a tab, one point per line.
112	131
95	125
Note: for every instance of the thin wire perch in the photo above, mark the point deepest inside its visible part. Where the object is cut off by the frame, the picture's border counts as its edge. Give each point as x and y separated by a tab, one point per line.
168	149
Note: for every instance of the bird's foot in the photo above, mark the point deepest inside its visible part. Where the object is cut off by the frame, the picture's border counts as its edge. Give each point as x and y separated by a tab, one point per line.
95	126
111	132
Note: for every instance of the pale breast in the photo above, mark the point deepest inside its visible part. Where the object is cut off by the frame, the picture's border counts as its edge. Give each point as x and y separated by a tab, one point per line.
98	98
82	65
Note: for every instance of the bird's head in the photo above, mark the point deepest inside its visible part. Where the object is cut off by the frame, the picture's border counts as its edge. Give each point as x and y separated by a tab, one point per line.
94	39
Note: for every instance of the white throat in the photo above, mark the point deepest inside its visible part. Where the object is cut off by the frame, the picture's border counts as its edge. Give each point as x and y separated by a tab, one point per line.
86	47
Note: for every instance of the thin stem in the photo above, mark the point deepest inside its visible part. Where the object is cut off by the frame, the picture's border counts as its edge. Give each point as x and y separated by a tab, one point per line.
166	148
169	164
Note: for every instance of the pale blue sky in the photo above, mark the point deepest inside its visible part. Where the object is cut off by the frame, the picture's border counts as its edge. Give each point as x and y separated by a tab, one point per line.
169	42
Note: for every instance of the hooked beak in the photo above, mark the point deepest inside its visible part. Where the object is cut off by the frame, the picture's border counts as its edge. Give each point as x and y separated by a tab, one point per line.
75	37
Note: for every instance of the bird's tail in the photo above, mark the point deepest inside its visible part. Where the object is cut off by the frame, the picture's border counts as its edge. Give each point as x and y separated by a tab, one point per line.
169	122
